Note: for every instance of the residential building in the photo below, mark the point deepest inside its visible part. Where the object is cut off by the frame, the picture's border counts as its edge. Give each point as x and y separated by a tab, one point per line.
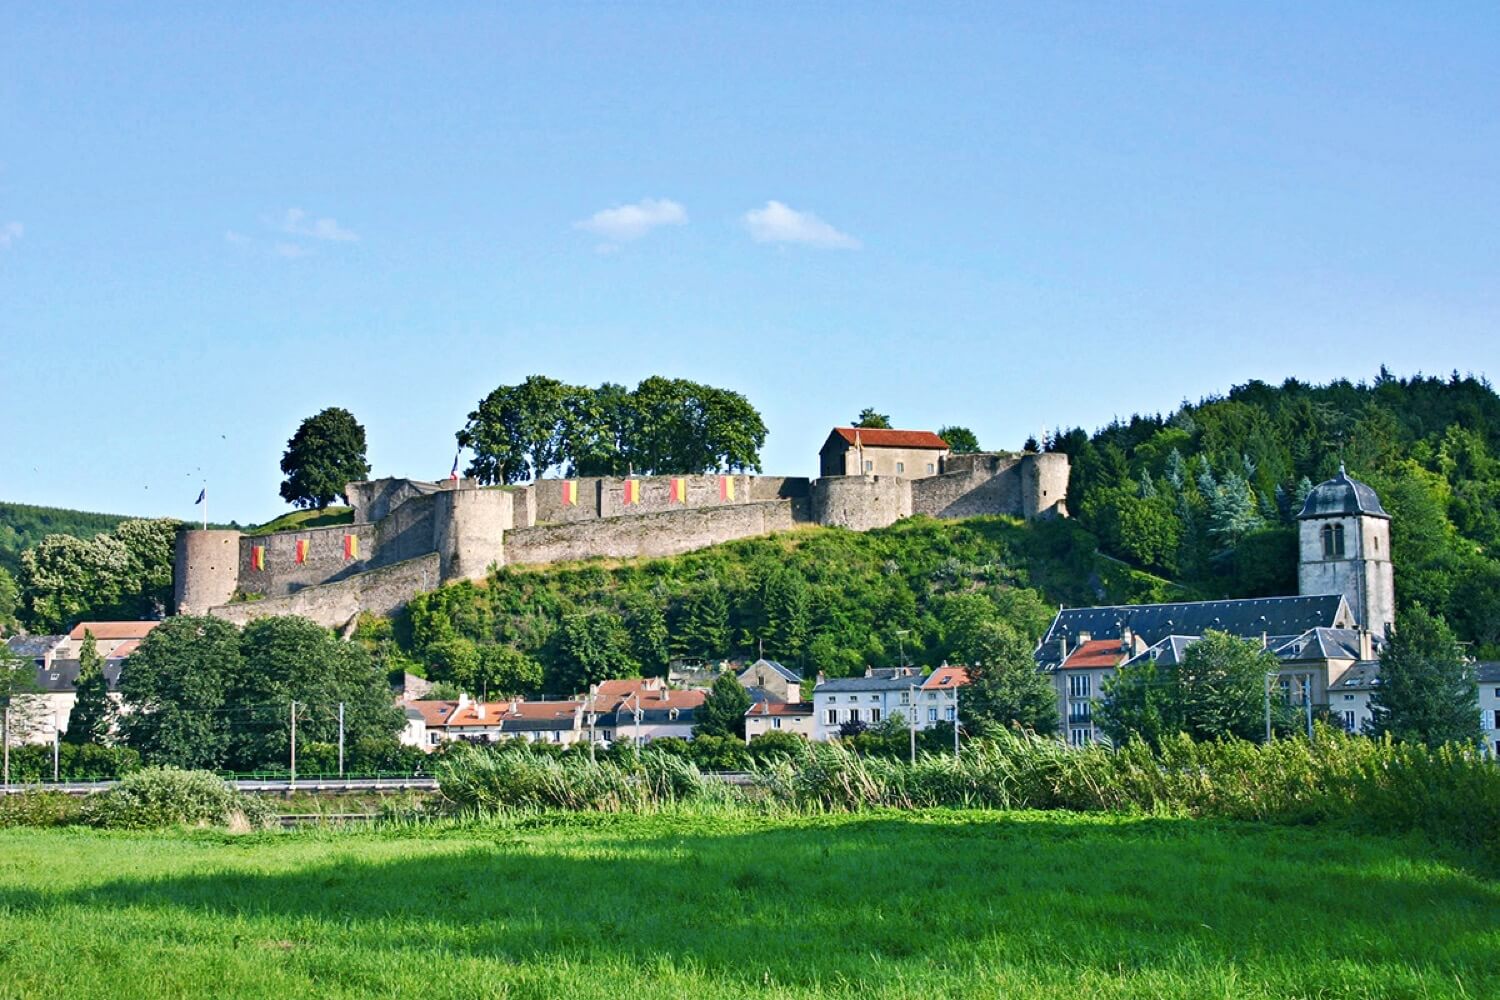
938	698
780	716
868	700
767	679
108	637
431	723
869	451
1489	703
1079	679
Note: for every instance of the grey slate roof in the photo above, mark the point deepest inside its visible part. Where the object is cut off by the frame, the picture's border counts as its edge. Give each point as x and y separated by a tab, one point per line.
1488	671
1341	496
1320	644
1362	676
840	685
62	676
35	646
786	672
1169	650
1249	617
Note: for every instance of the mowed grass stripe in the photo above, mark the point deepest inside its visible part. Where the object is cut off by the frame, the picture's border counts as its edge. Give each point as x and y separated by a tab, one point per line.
880	904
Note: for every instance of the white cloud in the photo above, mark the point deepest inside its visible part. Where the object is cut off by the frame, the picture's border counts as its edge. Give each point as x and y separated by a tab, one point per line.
778	223
631	222
10	233
296	222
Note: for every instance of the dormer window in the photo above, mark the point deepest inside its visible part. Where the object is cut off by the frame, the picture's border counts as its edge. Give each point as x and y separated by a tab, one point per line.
1333	541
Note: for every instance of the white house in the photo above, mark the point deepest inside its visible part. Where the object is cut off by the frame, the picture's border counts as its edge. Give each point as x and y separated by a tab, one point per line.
780	716
1489	703
867	700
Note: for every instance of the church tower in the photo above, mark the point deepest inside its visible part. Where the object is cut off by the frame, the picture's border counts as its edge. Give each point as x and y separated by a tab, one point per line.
1344	537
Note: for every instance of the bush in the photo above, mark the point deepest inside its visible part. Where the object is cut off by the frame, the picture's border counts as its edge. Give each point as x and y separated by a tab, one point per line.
160	796
39	808
32	763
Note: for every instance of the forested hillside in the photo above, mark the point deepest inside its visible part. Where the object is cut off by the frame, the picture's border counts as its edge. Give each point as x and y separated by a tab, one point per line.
22	526
1207	495
817	598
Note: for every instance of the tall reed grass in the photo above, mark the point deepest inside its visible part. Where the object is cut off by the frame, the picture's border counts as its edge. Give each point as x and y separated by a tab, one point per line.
1450	793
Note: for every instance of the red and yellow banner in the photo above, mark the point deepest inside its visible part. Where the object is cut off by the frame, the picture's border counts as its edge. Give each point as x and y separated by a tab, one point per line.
302	544
679	490
570	493
257	557
351	546
632	491
726	487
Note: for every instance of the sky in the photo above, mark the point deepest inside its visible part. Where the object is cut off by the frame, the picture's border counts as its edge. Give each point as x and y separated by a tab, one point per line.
218	219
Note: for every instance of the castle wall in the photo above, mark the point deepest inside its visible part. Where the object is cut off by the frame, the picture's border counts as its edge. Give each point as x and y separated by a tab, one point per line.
406	532
861	502
206	570
656	494
664	533
325	560
375	499
382	591
971	484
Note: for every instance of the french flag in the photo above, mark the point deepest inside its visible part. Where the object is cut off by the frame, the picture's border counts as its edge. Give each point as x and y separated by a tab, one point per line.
454	474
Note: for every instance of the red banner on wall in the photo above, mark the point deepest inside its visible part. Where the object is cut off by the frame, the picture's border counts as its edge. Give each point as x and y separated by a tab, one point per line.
257	557
302	544
351	546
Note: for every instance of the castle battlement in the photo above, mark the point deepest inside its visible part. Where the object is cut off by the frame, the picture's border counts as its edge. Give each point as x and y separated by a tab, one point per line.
409	536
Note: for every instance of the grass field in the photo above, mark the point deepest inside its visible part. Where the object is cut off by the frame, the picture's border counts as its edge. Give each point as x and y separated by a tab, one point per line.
703	905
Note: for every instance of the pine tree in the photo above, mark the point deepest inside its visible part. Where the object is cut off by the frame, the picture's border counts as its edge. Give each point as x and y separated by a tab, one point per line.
723	711
93	714
1428	692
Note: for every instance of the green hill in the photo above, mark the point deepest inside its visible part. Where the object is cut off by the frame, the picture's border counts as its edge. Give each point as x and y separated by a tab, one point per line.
815	598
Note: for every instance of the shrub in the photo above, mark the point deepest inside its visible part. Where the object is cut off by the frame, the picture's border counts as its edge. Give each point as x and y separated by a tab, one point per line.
32	763
39	808
161	796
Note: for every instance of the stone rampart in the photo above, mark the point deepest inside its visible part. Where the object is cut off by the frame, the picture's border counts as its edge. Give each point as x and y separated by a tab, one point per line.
469	531
860	502
987	483
381	591
664	533
206	571
324	562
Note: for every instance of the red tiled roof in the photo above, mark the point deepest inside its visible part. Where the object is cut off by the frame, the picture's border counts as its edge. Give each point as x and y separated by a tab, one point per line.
124	649
873	437
766	708
946	677
1095	654
113	630
496	712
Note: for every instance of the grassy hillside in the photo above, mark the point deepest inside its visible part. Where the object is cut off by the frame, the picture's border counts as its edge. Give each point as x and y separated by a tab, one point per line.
818	599
935	904
293	520
23	525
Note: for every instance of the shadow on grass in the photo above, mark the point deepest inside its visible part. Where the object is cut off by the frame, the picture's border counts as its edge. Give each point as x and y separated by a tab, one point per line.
806	903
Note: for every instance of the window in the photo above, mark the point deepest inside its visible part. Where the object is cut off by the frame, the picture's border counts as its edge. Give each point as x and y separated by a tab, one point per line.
931	468
1349	719
869	466
906	697
900	467
832	698
776	723
932	715
932	696
833	716
1333	541
853	715
1081	711
874	715
1079	736
875	698
1497	719
1080	686
1348	697
950	713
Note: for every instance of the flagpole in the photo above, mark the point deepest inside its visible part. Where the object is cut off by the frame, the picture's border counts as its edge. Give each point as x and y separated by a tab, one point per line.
205	506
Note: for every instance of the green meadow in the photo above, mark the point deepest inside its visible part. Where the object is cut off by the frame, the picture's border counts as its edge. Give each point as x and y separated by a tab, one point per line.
701	903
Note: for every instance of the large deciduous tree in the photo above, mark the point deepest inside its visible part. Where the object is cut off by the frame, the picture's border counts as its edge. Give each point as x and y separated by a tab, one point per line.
124	573
93	715
1005	688
176	685
1215	692
592	647
516	433
1427	692
961	440
326	453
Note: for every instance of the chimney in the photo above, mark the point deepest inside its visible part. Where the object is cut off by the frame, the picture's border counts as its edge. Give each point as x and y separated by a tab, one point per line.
1127	640
479	710
463	701
1062	648
514	706
1084	637
1366	644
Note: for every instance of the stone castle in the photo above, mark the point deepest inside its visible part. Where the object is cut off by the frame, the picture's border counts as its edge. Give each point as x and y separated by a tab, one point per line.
409	536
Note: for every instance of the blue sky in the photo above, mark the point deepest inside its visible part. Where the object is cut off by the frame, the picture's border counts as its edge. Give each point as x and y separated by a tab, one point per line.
216	220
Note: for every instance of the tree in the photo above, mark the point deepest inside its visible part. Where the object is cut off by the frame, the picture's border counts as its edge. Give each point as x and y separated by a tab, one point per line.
150	546
869	418
517	431
22	711
1031	447
1005	688
124	573
10	600
1215	692
961	440
286	659
1428	692
703	624
787	607
592	647
649	634
723	710
93	716
176	687
326	453
506	672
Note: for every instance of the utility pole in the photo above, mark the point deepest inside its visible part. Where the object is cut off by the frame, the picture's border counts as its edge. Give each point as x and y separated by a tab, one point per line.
5	740
294	741
341	739
955	722
911	717
55	742
1307	702
1268	705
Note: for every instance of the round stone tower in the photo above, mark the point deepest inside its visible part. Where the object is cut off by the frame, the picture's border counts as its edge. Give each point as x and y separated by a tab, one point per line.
1344	544
206	570
1044	485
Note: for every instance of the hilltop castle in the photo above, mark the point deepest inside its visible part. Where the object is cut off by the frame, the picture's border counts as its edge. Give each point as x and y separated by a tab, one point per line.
409	536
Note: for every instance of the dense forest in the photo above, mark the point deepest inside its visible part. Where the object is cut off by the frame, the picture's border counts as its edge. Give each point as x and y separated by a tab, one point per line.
22	526
1208	495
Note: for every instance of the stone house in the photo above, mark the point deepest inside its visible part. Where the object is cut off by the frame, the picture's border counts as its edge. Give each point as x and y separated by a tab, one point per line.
869	451
770	679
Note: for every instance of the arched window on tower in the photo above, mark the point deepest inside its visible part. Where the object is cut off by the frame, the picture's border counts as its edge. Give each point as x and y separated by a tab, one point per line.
1333	541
